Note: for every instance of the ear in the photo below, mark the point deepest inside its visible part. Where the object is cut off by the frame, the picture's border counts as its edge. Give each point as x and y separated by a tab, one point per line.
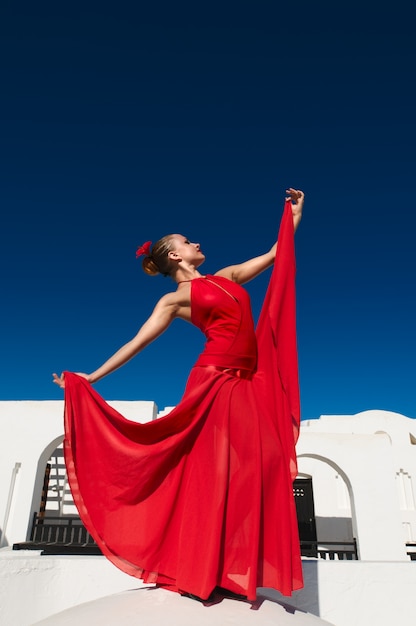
174	256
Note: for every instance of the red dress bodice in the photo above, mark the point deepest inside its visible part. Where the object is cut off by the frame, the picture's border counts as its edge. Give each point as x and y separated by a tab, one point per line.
221	309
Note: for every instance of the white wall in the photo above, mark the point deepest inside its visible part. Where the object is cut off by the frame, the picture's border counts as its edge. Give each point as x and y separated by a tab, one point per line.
29	433
366	465
380	476
363	469
345	593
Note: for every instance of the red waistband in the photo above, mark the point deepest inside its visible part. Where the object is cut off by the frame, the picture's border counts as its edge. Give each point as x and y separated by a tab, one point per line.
238	373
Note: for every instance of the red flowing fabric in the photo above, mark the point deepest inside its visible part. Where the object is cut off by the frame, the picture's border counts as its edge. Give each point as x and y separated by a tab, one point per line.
203	497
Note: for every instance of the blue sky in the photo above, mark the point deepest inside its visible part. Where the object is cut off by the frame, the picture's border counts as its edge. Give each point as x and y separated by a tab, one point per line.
120	124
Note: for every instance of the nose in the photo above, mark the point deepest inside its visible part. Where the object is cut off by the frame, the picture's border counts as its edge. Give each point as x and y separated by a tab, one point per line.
197	246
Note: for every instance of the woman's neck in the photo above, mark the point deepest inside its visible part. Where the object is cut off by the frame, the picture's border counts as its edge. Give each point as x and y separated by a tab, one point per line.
184	275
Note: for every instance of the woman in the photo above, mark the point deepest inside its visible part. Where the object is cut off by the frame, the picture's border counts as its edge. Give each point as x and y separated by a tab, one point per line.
203	497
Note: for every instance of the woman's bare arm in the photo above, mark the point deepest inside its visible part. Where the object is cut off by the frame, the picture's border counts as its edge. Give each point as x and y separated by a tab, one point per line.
246	271
165	311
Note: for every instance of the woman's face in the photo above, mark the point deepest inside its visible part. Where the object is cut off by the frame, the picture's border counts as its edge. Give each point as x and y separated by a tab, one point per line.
188	250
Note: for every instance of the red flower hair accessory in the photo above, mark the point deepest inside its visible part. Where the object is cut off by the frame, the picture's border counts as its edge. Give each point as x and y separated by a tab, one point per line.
144	249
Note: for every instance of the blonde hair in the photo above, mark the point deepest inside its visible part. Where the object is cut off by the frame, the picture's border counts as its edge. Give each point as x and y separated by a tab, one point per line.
157	261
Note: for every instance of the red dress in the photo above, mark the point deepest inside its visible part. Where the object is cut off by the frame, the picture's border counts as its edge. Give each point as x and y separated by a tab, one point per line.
202	497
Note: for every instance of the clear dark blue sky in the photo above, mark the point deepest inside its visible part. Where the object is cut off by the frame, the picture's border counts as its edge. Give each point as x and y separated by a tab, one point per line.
123	122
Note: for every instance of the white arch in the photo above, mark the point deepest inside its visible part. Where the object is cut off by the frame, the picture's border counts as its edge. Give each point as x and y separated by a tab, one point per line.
39	478
339	470
365	462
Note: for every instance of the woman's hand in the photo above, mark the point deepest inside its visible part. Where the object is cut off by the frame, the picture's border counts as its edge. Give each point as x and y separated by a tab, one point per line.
297	197
60	380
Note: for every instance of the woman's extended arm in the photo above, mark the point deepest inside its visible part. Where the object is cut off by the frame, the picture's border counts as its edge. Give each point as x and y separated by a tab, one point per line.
163	314
243	272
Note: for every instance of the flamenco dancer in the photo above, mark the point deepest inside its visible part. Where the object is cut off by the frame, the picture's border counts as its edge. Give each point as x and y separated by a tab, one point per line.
202	498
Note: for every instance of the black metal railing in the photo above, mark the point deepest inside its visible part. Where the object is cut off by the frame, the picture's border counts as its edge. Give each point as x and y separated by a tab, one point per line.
68	535
59	535
330	550
411	550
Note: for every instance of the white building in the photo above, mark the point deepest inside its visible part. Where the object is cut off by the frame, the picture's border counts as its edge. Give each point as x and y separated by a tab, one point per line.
356	504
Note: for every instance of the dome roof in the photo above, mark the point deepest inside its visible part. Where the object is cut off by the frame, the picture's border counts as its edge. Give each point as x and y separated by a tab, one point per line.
158	607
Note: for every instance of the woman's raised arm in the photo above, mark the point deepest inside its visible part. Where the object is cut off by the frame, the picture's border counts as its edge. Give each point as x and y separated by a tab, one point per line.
246	271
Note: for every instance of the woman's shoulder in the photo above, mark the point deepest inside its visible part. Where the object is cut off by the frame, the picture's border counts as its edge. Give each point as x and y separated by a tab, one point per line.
225	272
172	298
174	303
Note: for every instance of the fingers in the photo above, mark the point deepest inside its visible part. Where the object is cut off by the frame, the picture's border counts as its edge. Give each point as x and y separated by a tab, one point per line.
295	194
59	380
